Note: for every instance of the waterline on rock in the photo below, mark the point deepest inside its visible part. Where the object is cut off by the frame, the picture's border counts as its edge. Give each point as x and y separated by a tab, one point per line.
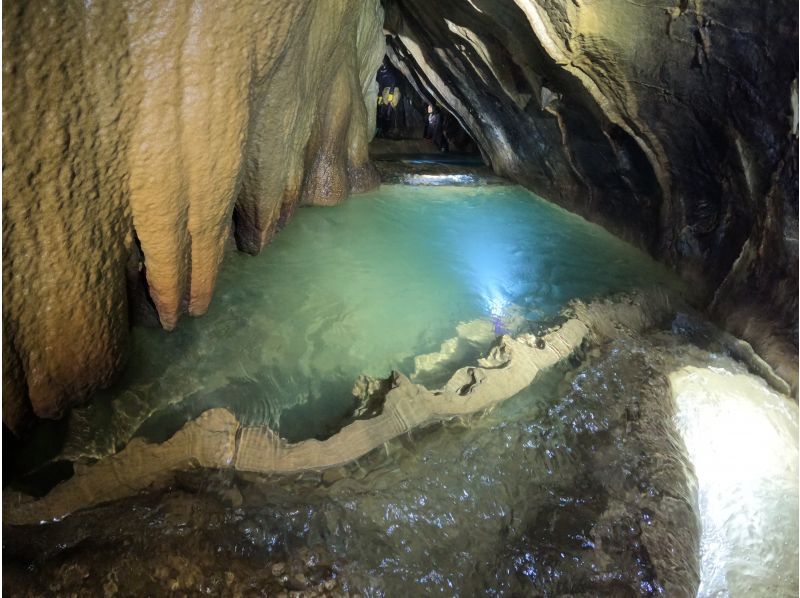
580	483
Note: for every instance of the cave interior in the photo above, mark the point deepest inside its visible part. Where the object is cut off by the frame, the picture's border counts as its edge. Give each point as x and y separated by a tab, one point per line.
383	297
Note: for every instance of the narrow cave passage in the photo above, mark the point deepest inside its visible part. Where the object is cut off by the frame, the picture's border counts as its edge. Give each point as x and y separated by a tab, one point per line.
408	113
417	140
508	364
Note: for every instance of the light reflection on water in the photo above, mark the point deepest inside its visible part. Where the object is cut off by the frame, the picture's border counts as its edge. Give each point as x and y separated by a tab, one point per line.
742	438
360	288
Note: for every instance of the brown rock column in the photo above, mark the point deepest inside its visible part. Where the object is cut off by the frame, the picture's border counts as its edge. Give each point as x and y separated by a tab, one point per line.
65	218
151	120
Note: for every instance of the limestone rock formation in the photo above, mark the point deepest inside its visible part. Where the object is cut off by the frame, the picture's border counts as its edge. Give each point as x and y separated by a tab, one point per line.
396	406
137	135
672	124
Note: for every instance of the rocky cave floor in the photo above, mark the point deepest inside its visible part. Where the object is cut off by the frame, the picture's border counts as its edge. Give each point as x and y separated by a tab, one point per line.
191	539
580	491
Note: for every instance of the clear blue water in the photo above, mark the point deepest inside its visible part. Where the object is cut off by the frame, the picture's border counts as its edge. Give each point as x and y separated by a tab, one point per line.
359	288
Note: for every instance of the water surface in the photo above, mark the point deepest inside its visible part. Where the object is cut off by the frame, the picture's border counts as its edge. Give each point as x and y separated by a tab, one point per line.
580	485
359	288
597	480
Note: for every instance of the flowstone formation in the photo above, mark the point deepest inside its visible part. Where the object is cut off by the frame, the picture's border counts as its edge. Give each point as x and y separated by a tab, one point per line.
394	407
673	125
138	138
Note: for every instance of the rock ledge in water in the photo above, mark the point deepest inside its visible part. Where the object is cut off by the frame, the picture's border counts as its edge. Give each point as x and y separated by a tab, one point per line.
217	440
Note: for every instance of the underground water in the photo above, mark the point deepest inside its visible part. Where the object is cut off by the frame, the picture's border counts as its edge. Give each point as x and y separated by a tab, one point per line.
644	465
363	288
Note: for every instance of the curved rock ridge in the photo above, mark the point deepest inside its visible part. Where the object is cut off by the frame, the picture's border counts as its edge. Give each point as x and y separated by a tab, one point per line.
671	124
137	135
217	440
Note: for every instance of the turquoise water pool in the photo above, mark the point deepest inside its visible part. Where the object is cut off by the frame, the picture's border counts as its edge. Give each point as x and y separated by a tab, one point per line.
359	288
649	465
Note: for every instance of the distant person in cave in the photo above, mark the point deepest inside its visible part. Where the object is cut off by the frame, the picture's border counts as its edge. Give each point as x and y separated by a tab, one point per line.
391	99
387	112
441	139
380	124
390	111
430	121
434	129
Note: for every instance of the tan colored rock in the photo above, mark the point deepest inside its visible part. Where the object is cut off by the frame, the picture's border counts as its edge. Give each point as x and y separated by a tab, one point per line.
66	220
208	441
511	366
159	123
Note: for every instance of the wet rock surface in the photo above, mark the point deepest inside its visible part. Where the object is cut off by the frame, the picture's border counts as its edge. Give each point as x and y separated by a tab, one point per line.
578	487
397	406
417	162
217	440
430	170
193	540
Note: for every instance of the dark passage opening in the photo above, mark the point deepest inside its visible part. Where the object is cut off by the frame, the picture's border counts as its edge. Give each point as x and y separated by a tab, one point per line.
409	121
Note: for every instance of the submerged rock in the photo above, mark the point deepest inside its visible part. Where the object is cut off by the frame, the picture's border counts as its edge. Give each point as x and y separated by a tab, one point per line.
580	485
217	440
370	393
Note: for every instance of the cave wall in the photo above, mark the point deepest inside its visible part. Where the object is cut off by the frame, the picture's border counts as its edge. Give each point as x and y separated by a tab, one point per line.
138	136
671	124
409	120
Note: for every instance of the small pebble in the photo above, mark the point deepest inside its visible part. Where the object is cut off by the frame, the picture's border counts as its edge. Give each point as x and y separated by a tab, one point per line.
278	569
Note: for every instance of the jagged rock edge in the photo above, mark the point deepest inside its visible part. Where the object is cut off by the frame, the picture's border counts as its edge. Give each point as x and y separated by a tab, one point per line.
217	440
